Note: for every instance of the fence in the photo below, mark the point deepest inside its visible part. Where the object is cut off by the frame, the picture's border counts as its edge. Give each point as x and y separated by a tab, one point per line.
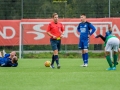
17	9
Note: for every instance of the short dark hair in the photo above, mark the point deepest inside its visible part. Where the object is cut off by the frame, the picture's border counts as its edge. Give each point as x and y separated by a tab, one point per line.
54	14
15	59
109	27
83	14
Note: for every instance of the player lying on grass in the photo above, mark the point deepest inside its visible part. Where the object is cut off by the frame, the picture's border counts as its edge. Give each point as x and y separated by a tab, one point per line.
111	43
8	60
109	32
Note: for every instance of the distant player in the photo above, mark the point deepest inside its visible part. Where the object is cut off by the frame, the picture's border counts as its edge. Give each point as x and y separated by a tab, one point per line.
111	43
55	31
85	29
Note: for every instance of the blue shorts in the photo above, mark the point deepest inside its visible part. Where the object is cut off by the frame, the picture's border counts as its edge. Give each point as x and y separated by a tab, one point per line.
55	44
84	44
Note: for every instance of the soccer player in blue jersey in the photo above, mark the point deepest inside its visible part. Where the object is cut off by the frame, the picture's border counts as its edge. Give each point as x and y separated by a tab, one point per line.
8	60
85	29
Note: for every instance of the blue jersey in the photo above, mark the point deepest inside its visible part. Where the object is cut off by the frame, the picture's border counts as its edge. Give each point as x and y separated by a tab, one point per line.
84	29
108	33
6	61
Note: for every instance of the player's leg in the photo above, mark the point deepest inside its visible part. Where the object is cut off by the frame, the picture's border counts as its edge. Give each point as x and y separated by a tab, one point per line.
108	60
85	51
83	55
115	49
108	48
57	56
115	56
52	63
4	52
86	57
118	55
55	51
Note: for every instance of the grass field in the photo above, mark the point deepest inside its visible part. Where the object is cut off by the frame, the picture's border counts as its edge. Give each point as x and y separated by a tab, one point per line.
31	74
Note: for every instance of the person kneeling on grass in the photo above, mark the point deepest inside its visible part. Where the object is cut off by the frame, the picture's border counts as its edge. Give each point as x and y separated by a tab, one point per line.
9	60
111	43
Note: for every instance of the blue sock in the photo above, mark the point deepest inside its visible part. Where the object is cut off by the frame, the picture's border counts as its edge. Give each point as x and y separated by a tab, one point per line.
83	56
56	58
86	58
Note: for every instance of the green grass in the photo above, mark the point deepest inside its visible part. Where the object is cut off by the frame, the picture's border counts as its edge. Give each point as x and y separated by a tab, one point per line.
31	74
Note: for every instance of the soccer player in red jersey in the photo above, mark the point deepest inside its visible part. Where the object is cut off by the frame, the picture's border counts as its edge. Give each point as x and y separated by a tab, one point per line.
56	32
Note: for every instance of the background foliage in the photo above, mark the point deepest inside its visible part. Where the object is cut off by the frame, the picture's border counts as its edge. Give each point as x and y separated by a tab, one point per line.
35	9
12	9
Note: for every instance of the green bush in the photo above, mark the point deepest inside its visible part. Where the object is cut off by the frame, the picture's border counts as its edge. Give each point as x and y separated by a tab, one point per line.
63	55
48	47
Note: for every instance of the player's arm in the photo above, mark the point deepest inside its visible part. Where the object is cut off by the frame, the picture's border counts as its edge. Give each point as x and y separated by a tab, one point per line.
62	34
102	37
48	32
14	65
118	59
63	31
78	28
92	28
51	35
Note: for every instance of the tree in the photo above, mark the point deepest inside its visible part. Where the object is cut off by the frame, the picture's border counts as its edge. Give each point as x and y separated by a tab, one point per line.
11	9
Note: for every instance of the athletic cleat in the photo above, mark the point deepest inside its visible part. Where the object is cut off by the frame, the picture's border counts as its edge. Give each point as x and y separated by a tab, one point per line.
114	68
58	66
109	69
84	65
51	66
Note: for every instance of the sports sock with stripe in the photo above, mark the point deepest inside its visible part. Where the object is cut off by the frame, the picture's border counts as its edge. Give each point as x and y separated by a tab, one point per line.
56	58
86	58
52	63
83	56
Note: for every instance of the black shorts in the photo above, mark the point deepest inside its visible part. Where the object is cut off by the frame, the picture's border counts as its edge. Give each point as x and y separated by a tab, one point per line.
55	44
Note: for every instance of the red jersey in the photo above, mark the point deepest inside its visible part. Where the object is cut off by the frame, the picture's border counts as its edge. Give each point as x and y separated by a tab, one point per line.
55	29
